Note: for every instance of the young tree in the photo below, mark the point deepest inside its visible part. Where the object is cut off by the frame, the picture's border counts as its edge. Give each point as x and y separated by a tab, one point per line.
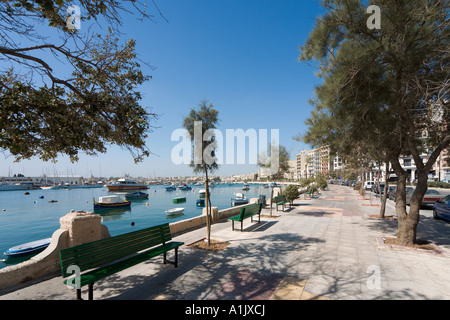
383	87
291	192
64	90
277	153
200	123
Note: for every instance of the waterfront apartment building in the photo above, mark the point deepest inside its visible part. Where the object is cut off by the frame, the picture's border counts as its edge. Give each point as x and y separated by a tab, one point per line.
313	162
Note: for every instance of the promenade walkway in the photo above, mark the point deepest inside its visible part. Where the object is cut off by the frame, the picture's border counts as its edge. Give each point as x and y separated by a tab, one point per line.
324	248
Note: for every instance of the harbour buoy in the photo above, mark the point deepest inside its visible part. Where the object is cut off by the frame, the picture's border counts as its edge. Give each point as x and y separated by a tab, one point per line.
146	204
132	223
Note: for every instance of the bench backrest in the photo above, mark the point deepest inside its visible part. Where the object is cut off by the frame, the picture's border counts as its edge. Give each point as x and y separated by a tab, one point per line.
94	254
250	210
280	199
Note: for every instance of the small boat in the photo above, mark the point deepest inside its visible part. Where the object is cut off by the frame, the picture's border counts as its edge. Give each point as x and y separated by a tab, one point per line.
238	199
185	188
179	200
49	187
136	195
246	187
200	203
202	194
28	248
238	202
175	211
111	202
171	188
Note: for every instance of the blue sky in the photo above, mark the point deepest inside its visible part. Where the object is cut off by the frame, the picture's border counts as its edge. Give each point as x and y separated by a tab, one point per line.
242	55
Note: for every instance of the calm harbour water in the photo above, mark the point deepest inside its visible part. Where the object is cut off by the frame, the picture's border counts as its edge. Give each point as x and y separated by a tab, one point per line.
25	218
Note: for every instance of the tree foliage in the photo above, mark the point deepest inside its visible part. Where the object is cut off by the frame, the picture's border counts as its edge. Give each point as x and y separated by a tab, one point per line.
385	91
66	91
291	192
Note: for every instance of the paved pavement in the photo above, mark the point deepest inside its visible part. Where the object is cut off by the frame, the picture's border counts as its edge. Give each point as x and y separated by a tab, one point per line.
323	248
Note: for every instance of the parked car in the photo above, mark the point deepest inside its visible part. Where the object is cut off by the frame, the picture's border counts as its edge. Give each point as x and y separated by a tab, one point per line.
441	208
368	185
430	197
379	190
392	192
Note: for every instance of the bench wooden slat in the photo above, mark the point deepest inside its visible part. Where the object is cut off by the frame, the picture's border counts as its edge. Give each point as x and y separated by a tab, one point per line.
97	274
103	251
104	257
247	212
280	201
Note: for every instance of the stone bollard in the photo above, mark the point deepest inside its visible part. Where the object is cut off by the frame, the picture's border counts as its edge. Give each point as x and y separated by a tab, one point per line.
83	227
214	211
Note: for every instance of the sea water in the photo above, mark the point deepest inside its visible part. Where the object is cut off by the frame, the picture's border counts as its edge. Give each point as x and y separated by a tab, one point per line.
29	217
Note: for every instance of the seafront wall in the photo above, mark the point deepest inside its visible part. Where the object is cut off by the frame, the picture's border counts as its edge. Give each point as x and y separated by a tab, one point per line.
82	227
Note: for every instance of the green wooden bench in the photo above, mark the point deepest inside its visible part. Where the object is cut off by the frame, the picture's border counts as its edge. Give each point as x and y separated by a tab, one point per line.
99	259
247	212
281	201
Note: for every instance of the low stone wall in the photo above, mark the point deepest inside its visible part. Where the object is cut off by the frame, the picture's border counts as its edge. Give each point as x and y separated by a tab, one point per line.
83	227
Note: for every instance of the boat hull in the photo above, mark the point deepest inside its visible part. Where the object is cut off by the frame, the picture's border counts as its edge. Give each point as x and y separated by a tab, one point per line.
238	202
120	187
28	248
99	205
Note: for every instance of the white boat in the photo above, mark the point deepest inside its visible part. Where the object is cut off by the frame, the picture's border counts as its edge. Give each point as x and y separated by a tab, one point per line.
126	184
49	187
5	186
175	211
28	248
238	199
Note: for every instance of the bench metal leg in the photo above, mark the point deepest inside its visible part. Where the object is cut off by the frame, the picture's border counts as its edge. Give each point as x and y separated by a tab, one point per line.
175	262
242	224
79	294
176	257
91	291
232	225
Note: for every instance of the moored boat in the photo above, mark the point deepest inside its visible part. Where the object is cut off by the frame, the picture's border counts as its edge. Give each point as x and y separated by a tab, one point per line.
126	184
49	187
179	200
200	203
5	186
175	211
136	195
171	188
28	248
111	202
238	199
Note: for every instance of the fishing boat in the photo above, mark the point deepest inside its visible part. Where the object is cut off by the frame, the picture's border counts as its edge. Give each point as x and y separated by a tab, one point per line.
126	184
238	199
200	203
111	202
28	248
171	188
175	211
136	195
202	194
185	188
179	200
246	187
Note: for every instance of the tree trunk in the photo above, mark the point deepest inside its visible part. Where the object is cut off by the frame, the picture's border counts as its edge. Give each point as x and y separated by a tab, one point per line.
383	197
208	223
407	222
408	229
